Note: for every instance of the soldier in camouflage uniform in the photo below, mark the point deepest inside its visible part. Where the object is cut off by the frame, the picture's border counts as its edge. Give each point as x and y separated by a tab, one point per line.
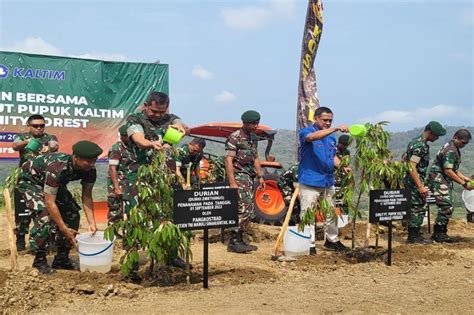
443	172
418	155
242	165
47	143
43	184
189	156
118	159
342	150
145	131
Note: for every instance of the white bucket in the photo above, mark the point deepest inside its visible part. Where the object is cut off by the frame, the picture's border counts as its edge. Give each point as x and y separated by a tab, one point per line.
468	198
297	243
95	253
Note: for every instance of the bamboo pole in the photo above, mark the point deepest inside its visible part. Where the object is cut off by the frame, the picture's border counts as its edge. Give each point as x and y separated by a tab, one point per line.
10	228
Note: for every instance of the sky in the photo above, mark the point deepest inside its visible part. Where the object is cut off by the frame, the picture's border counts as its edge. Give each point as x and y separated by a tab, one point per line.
405	61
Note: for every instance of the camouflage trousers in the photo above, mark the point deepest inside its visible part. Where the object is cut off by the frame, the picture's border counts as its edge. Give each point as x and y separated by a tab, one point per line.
418	208
42	235
246	205
130	192
115	209
442	189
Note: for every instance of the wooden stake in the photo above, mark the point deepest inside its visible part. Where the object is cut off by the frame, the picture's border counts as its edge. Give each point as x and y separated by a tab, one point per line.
277	249
367	234
10	228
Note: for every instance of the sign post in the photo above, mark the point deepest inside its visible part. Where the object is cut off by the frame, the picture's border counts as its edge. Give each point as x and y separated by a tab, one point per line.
214	206
387	205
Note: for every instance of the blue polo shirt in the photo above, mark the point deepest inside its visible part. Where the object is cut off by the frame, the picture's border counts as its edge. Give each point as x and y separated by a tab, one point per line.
316	166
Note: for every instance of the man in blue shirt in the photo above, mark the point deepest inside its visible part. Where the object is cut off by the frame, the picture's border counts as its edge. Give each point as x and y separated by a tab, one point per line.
316	171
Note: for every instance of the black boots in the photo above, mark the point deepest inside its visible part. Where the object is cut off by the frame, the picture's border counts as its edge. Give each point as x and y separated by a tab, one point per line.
440	234
237	245
415	237
62	260
20	243
41	263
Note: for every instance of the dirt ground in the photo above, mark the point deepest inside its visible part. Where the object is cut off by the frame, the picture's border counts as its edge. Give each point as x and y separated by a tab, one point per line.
437	278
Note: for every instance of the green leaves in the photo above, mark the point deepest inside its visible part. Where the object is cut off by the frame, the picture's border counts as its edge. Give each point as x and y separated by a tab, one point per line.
149	226
374	168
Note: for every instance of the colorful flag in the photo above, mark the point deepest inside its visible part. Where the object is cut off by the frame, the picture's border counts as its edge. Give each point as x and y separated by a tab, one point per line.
307	91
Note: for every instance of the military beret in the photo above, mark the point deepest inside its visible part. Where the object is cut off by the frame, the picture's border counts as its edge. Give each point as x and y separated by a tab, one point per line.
250	116
123	130
436	128
344	139
86	149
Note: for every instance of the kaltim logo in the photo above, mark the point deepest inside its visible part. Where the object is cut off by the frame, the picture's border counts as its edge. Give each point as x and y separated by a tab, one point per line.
3	71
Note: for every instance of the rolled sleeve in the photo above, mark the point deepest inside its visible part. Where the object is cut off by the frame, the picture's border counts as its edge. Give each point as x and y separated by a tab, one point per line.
114	162
133	129
50	190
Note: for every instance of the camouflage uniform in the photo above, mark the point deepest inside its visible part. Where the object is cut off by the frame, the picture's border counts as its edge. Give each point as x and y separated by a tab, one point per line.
118	156
183	159
153	131
441	185
23	222
417	149
243	148
50	174
339	180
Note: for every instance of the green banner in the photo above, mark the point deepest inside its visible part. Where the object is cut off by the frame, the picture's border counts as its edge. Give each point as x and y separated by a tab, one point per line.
80	99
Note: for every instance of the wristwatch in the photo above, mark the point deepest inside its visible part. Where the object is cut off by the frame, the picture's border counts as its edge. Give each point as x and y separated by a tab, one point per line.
465	183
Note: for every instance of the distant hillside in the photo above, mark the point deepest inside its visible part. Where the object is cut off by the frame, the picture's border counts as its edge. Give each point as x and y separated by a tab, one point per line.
284	149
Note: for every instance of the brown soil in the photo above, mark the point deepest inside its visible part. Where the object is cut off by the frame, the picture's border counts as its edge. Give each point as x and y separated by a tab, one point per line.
436	278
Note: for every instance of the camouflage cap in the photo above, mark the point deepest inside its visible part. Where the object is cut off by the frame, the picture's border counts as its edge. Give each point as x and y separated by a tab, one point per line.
250	116
123	130
86	149
436	128
344	139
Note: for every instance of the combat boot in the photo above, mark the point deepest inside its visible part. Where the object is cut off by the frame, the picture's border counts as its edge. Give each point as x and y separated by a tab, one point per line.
236	246
415	237
20	243
41	263
440	234
249	247
62	260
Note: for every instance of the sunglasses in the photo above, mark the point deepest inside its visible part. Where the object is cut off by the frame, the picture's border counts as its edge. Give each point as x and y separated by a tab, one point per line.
327	120
37	126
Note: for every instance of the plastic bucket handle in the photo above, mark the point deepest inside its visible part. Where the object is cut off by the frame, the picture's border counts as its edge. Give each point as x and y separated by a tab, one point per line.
99	252
300	235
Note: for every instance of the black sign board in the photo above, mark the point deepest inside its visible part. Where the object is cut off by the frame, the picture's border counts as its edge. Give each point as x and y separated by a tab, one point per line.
389	205
213	206
20	206
431	198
